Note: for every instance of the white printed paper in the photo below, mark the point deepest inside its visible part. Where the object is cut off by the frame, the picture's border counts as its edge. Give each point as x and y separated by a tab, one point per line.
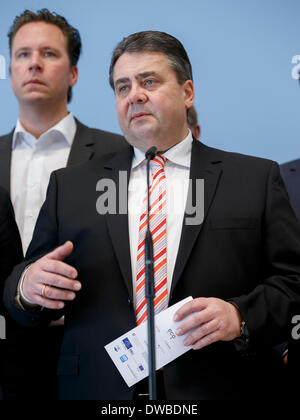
130	351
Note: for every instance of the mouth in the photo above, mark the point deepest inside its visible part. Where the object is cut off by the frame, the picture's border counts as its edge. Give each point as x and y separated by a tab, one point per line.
34	82
139	116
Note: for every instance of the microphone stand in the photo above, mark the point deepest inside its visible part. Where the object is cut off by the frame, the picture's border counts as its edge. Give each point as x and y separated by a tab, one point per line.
150	289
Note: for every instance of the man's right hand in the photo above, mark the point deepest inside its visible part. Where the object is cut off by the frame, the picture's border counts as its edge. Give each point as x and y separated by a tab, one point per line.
49	281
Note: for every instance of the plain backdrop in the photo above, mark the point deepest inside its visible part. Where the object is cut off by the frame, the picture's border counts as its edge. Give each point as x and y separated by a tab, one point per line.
242	52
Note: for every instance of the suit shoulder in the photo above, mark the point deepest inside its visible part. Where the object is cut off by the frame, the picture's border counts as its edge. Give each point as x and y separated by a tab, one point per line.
291	165
6	137
87	167
99	134
231	158
107	134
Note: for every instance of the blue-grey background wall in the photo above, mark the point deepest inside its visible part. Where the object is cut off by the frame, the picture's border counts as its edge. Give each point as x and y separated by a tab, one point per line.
243	52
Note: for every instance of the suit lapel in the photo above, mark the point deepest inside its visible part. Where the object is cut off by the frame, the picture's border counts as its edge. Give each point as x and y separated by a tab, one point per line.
118	223
206	165
82	147
5	161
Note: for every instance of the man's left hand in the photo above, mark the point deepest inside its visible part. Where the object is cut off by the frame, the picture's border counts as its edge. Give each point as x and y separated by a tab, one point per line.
214	320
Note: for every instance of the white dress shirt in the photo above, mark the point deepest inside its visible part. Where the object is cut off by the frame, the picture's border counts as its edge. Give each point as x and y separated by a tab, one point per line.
177	169
32	162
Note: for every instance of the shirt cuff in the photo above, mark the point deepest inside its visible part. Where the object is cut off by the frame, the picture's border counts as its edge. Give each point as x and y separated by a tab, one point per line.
20	299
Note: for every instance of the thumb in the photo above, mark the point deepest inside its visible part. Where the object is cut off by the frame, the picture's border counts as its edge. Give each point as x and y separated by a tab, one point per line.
61	252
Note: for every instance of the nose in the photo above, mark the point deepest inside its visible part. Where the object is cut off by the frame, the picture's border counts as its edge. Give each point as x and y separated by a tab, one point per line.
35	62
137	95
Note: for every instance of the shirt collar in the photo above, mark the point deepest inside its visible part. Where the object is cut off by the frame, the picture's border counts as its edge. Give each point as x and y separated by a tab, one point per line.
66	127
180	154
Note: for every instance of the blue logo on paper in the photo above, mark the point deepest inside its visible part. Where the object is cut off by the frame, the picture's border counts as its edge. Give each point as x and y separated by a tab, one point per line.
123	358
127	343
141	367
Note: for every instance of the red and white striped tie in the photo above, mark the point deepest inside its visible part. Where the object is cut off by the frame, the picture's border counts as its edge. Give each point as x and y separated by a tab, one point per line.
158	227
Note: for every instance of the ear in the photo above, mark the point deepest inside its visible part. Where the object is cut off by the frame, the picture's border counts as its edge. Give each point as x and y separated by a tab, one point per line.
189	94
73	75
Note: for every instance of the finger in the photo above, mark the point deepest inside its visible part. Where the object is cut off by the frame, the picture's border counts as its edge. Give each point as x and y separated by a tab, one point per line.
56	294
60	281
206	341
61	252
59	267
201	332
194	305
193	321
48	303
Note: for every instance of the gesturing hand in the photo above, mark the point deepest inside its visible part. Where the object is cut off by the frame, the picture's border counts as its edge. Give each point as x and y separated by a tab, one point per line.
49	281
213	319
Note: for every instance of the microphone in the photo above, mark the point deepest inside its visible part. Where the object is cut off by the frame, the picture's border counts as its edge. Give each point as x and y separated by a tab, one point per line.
149	286
151	153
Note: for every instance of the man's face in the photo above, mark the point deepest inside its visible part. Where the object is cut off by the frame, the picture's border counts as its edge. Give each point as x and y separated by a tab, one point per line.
151	104
40	68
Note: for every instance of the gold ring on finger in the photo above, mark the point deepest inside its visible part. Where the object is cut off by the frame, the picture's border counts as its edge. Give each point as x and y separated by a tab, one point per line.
43	290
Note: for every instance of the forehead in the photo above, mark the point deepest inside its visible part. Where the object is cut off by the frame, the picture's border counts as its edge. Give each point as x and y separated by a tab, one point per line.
36	33
134	63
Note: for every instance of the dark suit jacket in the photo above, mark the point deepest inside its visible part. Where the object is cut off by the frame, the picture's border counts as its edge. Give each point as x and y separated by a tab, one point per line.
290	173
247	250
25	354
10	255
10	242
88	143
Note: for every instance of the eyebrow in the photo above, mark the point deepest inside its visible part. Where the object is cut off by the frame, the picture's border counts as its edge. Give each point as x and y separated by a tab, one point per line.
139	76
46	47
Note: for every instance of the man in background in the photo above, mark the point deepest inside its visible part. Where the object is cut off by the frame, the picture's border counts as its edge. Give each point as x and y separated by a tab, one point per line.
290	172
44	51
10	255
192	120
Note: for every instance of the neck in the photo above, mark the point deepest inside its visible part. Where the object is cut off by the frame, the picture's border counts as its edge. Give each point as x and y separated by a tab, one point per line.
164	148
37	120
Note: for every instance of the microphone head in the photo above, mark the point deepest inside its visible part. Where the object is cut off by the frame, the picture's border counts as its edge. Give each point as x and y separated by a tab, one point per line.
151	153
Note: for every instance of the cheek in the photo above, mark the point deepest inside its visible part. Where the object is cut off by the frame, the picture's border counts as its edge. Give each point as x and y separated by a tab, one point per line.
121	113
13	79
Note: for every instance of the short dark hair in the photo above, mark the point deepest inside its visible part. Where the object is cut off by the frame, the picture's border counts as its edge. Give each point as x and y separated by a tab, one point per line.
44	15
155	41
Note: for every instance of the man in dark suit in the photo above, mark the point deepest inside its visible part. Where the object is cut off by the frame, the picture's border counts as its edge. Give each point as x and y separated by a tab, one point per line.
241	263
290	172
10	255
45	50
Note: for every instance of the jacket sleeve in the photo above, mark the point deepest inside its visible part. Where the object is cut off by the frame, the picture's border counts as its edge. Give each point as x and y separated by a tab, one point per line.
44	240
10	243
269	308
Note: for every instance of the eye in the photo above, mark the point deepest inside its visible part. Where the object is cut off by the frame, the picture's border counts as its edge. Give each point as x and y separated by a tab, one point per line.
149	82
22	54
122	89
49	54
